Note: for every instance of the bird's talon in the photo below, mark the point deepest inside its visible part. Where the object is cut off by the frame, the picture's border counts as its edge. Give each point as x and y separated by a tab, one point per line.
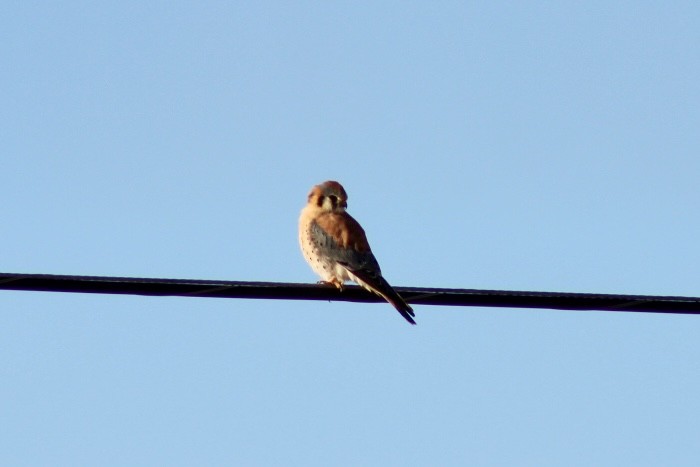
337	284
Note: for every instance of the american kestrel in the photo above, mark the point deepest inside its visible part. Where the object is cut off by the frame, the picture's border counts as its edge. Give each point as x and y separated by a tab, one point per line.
335	246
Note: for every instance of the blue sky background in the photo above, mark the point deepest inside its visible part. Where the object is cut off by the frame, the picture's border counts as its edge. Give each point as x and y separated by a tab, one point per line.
547	146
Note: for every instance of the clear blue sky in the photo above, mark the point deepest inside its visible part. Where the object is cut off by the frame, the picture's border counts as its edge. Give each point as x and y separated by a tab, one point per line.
547	146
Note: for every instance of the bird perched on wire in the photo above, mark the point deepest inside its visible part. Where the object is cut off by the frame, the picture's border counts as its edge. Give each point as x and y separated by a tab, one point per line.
335	246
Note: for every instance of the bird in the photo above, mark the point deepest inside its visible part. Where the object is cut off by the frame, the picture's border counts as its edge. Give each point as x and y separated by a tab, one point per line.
335	246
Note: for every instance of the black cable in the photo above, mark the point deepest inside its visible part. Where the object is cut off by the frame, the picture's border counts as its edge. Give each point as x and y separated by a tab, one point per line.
287	291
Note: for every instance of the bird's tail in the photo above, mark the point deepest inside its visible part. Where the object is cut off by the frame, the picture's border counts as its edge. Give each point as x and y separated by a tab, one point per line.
390	295
376	284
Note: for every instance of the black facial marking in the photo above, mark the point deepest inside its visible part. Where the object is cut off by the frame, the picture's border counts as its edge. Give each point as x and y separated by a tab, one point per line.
319	201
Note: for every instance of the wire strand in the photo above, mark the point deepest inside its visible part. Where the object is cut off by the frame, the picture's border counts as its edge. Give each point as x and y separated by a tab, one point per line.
292	291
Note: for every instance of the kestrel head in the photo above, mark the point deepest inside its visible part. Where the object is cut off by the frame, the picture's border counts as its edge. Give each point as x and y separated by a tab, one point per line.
329	196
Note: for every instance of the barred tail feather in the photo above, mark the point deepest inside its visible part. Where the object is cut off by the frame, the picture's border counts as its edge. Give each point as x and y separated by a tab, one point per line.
379	286
402	307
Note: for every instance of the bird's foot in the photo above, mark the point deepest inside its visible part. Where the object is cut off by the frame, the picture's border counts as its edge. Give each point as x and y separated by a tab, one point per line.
334	282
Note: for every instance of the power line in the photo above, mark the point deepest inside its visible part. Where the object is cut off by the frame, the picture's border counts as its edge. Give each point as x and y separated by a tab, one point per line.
291	291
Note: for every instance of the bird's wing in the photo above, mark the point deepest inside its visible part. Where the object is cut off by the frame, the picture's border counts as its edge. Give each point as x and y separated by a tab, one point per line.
342	239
